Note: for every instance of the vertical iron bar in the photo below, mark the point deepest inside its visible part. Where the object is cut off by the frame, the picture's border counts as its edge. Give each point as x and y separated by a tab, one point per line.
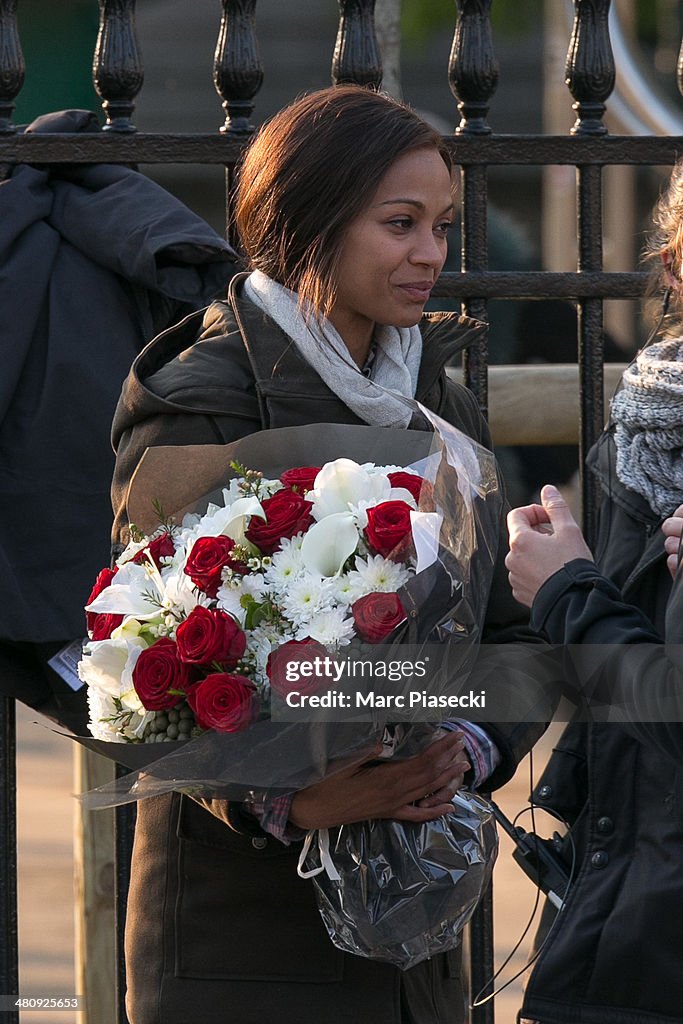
590	75
117	66
473	77
9	959
356	59
12	69
124	830
590	328
473	257
237	77
482	966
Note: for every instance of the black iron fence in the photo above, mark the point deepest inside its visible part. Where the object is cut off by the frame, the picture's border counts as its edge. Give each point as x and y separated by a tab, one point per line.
472	74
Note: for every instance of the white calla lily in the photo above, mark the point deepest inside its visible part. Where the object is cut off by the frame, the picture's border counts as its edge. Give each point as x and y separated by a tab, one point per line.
343	484
230	521
329	543
401	494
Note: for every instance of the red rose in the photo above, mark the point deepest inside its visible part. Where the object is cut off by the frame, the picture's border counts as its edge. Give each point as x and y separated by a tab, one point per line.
158	670
414	484
209	635
208	558
388	531
300	479
161	547
293	653
224	702
287	514
376	615
104	625
101	583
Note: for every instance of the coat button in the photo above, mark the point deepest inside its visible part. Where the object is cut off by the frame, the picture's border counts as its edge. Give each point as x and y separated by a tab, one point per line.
605	826
545	792
259	842
599	859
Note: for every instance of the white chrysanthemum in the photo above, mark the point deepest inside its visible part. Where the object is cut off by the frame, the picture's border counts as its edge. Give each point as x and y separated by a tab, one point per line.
106	722
347	589
101	707
261	642
375	573
230	594
190	520
330	627
306	596
229	599
287	563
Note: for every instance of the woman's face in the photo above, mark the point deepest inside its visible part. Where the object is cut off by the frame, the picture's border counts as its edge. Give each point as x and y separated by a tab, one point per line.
393	252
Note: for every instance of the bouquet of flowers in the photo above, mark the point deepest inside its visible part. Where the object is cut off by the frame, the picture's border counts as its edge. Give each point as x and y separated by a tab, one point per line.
321	544
183	628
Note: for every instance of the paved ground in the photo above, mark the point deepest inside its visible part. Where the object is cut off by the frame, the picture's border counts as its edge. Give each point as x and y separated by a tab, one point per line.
45	874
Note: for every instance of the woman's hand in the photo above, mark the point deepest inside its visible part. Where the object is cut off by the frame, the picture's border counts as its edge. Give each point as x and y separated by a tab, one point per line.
672	529
392	789
543	538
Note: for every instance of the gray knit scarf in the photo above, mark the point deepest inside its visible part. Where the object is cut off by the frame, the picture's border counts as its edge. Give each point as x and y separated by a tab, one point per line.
395	367
648	413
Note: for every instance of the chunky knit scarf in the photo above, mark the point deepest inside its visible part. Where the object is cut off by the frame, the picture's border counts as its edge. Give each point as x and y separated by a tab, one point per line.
395	367
648	413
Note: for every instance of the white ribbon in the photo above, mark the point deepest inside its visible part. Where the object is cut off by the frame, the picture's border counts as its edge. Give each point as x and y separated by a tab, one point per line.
326	862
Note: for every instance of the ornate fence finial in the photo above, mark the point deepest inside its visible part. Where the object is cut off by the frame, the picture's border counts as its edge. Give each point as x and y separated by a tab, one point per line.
472	67
117	67
12	67
237	71
356	57
589	71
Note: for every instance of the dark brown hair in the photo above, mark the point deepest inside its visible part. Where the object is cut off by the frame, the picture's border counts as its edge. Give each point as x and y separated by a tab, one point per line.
308	174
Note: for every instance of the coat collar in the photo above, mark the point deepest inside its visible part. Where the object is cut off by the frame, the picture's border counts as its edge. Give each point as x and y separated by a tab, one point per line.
444	335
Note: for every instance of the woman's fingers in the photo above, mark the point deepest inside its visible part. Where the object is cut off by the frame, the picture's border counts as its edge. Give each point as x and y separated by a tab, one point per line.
416	777
671	544
673	526
417	814
448	791
672	529
378	791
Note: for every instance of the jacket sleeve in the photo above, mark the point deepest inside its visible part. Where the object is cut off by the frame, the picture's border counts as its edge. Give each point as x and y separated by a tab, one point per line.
613	656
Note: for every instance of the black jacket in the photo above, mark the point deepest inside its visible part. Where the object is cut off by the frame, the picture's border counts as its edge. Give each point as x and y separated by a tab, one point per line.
217	915
614	955
96	259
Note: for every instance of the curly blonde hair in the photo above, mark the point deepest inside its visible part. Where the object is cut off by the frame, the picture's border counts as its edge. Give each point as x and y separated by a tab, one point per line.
663	249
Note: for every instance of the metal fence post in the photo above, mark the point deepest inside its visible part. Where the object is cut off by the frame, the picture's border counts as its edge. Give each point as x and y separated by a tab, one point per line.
9	968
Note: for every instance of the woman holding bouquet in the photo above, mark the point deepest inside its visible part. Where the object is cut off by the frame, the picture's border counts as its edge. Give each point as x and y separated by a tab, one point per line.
343	209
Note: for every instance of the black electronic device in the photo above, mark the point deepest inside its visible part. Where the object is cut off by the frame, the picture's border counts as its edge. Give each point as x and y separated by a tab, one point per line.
539	859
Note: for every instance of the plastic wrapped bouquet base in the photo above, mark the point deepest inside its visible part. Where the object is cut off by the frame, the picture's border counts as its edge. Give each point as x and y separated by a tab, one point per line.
401	892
